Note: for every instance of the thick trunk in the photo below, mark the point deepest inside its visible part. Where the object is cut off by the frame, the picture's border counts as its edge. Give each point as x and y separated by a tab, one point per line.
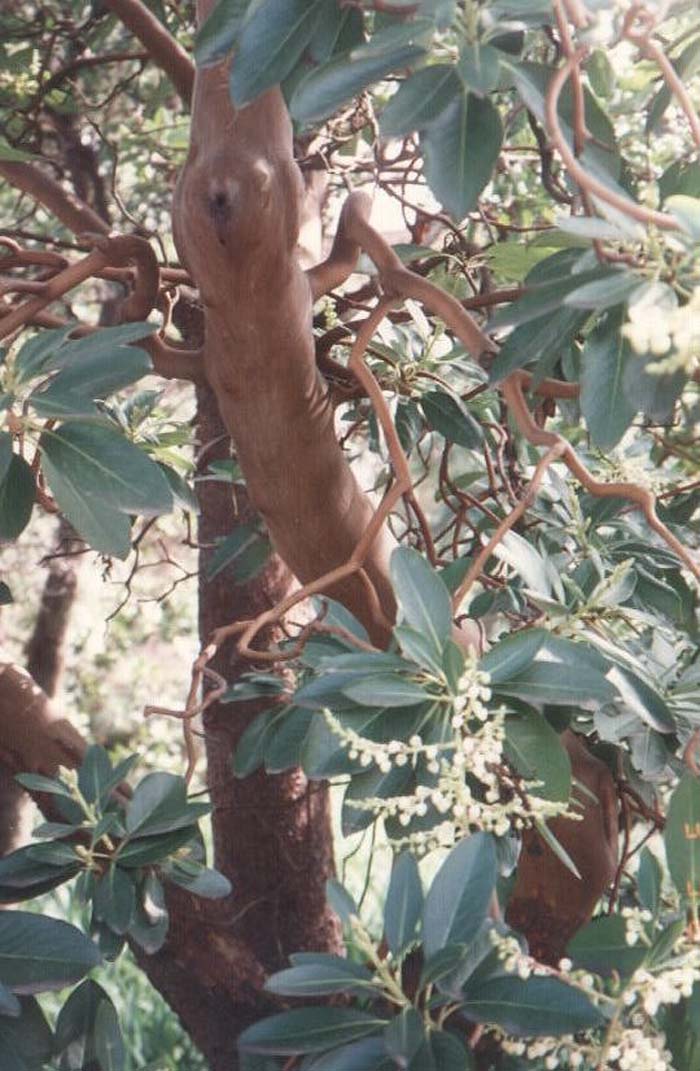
271	833
236	221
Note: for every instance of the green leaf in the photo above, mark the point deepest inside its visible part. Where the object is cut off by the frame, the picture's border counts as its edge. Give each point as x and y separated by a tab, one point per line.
543	338
95	773
556	847
56	853
37	352
271	41
603	293
510	656
682	838
17	494
5	454
106	530
332	975
442	964
420	100
536	752
159	805
183	494
637	696
150	926
459	897
39	953
550	682
404	1035
449	1053
38	783
250	748
340	900
23	877
96	375
404	903
109	1043
5	594
197	879
245	551
218	35
385	691
366	1055
146	850
107	467
115	899
322	91
448	415
479	68
26	1042
605	402
308	1030
649	881
9	1004
78	1030
336	30
526	560
681	177
542	298
422	597
99	346
460	151
532	1008
664	943
418	648
601	946
373	784
59	405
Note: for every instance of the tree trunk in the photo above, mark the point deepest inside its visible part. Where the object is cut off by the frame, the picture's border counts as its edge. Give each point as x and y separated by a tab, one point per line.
45	650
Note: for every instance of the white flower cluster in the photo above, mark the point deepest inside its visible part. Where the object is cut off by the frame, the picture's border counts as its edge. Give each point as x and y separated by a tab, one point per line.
636	920
501	801
560	1052
637	1051
511	955
669	332
668	987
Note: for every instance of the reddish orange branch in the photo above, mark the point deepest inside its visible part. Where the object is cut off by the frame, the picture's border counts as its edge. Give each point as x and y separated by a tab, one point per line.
161	45
65	206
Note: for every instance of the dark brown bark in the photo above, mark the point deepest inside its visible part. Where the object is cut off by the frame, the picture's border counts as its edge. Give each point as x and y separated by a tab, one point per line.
549	903
14	812
46	647
271	833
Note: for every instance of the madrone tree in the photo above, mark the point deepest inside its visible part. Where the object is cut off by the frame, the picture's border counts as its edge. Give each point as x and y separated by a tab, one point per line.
447	558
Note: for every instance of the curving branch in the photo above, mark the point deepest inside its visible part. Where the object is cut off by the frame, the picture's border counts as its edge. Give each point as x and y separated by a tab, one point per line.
644	500
588	182
115	250
65	206
162	47
652	50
